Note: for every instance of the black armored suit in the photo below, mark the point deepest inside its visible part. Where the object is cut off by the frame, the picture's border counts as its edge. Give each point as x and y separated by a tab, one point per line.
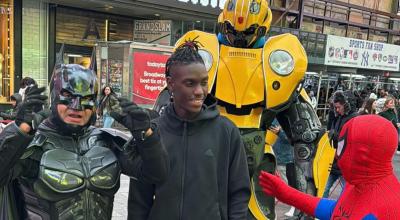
66	177
65	169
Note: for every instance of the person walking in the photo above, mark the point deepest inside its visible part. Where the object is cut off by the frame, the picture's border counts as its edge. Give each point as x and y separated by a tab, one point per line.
108	103
285	159
344	108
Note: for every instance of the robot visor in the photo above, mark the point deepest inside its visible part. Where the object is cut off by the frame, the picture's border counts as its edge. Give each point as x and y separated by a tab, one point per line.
241	39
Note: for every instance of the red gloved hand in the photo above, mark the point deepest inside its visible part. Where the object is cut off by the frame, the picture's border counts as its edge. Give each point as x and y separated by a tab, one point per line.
274	186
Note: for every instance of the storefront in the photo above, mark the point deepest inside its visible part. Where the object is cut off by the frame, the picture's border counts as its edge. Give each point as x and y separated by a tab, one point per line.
6	49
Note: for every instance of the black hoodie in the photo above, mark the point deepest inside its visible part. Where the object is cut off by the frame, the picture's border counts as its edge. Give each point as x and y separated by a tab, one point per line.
208	171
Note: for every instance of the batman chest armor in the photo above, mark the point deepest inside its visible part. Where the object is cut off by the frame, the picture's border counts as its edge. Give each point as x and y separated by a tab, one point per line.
76	180
63	171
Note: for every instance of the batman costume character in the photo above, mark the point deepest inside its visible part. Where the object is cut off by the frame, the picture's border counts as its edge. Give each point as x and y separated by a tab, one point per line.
64	168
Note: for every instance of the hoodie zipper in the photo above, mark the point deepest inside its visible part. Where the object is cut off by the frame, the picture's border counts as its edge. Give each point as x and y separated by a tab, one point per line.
184	168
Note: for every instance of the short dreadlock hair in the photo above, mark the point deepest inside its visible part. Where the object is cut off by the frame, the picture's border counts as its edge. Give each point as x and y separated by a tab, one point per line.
185	54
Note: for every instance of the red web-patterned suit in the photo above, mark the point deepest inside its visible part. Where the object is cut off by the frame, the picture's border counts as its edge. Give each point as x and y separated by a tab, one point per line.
365	151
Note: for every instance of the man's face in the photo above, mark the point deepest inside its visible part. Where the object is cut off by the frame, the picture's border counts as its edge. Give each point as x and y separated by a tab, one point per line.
78	114
74	117
189	86
339	108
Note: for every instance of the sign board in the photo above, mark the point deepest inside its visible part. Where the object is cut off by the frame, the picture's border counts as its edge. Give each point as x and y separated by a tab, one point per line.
148	76
152	31
350	52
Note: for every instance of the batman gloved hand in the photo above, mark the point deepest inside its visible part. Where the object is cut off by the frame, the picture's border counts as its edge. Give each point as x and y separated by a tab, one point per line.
134	118
29	110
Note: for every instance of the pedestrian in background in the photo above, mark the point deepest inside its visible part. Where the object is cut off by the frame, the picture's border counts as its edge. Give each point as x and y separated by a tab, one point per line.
344	107
313	100
389	111
285	159
108	103
26	82
10	114
369	107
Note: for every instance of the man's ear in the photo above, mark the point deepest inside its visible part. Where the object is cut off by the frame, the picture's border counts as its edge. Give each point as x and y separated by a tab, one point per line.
169	83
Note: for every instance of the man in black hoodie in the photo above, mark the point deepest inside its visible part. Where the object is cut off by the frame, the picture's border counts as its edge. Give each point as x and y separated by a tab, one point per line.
208	170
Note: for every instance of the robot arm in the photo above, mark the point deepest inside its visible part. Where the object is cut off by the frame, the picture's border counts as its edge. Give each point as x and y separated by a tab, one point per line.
313	153
302	126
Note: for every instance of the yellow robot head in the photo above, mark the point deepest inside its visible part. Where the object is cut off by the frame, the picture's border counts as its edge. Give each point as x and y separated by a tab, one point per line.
243	22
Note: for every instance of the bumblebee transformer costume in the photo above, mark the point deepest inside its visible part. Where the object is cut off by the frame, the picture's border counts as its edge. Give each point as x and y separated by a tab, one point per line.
256	80
68	171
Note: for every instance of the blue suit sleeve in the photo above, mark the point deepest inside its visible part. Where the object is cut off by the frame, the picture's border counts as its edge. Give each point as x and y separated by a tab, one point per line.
370	217
325	209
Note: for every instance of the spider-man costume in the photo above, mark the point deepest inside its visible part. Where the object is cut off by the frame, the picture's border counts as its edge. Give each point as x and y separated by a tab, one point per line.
365	150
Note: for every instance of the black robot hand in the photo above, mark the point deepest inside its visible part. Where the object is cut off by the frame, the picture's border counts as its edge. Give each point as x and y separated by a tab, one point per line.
32	104
133	117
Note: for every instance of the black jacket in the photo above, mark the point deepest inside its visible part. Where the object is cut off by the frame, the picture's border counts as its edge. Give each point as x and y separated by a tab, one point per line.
390	115
338	123
208	171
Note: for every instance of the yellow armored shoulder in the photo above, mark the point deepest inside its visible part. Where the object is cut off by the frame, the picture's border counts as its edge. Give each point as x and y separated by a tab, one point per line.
284	66
208	49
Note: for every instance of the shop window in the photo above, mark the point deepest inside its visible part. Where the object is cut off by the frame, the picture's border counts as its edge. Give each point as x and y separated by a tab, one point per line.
311	25
396	25
356	16
380	21
198	25
386	6
293	5
319	8
210	27
356	32
309	6
6	49
395	40
337	12
278	3
333	28
291	21
378	36
35	41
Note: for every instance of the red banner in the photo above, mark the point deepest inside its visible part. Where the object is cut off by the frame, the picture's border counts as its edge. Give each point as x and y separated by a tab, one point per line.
148	76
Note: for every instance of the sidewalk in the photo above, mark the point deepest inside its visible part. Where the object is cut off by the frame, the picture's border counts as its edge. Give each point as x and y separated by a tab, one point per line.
120	202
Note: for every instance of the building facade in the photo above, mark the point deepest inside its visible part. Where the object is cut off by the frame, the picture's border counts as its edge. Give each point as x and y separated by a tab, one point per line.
33	30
